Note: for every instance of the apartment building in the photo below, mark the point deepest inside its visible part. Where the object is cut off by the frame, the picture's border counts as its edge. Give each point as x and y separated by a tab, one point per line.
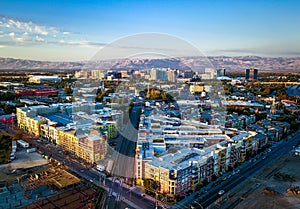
108	128
180	172
80	137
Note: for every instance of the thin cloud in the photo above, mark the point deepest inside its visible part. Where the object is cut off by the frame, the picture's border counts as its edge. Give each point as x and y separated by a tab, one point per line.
39	39
28	32
15	25
260	51
12	34
233	51
77	43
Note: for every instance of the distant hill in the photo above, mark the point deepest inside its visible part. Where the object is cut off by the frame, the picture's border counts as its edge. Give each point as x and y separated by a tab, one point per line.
239	63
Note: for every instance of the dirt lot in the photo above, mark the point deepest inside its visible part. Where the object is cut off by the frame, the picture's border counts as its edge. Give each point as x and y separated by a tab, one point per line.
268	188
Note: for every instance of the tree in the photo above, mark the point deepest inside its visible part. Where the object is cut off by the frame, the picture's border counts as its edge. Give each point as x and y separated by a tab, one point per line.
150	186
18	135
67	88
9	109
204	182
266	91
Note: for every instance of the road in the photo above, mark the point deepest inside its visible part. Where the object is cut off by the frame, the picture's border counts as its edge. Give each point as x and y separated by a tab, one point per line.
247	170
115	186
112	185
124	156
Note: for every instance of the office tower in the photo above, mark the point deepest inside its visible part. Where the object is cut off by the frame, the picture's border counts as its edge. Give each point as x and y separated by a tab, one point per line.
251	74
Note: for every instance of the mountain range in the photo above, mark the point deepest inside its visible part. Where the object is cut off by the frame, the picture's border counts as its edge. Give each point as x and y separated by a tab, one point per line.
238	63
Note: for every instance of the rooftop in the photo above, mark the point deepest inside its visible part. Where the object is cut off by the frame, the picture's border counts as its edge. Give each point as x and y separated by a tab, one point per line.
61	119
182	159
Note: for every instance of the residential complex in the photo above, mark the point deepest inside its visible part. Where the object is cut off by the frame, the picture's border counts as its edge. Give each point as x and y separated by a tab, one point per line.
72	126
197	152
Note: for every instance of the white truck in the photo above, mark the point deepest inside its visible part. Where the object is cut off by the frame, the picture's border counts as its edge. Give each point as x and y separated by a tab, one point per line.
23	143
31	150
100	168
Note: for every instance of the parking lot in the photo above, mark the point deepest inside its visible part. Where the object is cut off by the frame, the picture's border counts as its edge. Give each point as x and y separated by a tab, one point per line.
25	160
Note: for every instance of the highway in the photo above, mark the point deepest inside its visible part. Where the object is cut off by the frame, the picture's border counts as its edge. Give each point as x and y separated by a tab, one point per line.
247	170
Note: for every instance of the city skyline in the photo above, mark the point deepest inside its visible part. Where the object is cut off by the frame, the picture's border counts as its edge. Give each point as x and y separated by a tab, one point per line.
73	30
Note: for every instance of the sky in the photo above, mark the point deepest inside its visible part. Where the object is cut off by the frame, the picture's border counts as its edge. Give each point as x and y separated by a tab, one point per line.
74	30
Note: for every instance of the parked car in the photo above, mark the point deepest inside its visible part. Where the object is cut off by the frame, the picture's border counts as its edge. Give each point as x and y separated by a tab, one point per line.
221	192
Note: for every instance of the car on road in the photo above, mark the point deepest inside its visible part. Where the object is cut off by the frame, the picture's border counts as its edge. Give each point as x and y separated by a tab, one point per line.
112	143
237	171
264	157
269	150
221	192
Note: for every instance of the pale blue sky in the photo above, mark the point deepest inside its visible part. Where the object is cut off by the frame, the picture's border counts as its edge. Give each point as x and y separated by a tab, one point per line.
74	30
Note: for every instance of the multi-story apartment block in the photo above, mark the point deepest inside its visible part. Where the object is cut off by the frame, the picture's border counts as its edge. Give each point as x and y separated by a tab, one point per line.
76	134
189	167
108	128
180	172
172	172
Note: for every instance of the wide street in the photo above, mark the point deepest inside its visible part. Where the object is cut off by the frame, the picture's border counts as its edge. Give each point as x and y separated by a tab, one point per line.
110	184
247	170
123	164
120	191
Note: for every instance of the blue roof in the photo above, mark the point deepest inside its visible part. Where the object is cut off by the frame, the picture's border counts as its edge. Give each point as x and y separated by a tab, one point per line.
61	119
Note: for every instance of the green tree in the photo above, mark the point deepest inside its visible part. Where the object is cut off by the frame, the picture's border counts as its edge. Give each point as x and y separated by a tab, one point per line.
150	186
67	88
